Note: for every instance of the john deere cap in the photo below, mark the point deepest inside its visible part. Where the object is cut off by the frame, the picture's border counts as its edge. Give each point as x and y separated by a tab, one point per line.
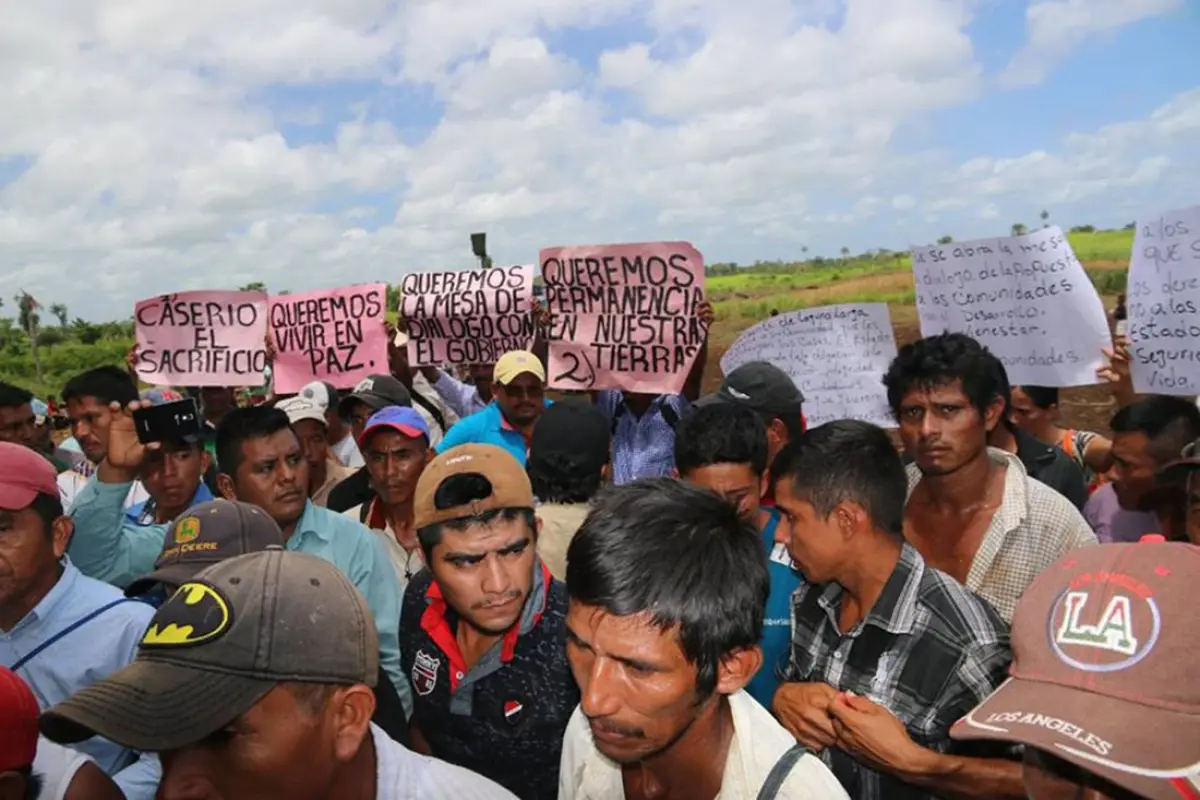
1104	669
219	644
510	486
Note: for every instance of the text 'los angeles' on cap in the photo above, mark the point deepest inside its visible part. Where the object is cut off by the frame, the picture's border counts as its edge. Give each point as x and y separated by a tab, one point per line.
219	644
508	479
1104	668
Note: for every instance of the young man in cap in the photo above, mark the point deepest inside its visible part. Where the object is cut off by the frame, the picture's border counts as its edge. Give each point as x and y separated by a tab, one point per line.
568	463
483	626
254	681
1103	692
340	437
519	389
18	423
395	443
309	422
875	621
663	711
60	630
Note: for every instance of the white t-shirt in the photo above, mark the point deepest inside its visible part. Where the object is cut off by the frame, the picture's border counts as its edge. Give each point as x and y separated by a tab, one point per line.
401	774
56	765
346	451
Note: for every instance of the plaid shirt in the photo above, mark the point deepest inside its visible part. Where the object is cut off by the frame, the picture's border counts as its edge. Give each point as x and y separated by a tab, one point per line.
1032	529
928	651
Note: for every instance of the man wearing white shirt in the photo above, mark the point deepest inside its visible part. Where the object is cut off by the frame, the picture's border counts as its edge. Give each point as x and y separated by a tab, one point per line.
87	397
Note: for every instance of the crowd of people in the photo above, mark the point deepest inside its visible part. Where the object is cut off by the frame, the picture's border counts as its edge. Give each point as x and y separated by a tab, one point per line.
449	585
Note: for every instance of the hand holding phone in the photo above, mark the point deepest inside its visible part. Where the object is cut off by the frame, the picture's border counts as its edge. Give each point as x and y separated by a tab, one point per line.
178	421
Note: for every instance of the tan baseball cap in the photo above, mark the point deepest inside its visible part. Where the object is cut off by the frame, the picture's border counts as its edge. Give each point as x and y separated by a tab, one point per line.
509	482
219	644
1104	670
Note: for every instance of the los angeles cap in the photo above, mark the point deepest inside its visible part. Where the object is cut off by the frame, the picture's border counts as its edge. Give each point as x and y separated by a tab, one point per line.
510	486
759	386
403	419
219	644
24	474
378	392
515	363
18	722
207	534
1104	669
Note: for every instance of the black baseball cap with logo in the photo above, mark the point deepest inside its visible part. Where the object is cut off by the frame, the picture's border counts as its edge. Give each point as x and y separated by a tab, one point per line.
759	386
222	642
378	392
208	534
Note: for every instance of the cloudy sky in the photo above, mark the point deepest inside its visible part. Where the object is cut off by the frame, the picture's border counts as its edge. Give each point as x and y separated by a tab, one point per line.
150	146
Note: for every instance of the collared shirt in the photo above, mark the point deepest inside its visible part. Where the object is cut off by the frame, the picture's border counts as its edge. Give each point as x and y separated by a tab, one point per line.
488	427
335	473
114	544
928	651
1032	529
71	482
777	623
346	451
463	398
87	654
758	742
407	563
504	715
401	774
358	553
1114	524
642	447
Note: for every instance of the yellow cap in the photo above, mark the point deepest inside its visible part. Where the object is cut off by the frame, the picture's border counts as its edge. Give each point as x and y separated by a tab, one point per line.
517	362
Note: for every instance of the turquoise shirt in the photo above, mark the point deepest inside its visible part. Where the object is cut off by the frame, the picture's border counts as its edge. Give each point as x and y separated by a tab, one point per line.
777	624
488	427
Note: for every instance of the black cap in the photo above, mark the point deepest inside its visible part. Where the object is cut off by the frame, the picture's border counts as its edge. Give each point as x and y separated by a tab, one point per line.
759	386
571	437
378	392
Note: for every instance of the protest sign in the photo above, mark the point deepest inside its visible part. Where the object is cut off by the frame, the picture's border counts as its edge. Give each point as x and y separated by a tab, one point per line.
337	336
1163	304
467	317
1027	298
837	355
202	339
623	316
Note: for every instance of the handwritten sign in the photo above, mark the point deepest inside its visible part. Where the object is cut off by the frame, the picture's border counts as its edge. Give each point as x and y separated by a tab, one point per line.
1164	304
202	339
837	355
623	316
1027	298
468	317
337	336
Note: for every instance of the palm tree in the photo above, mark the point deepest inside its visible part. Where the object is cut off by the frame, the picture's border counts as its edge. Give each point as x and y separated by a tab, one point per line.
60	311
845	253
947	239
804	250
1045	216
1019	229
29	320
256	286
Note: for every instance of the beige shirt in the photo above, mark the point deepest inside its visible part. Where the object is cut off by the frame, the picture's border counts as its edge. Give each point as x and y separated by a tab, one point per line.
405	563
758	742
335	473
1032	529
560	521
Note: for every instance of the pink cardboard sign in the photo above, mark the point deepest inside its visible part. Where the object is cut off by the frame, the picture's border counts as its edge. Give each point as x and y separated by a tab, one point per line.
336	335
202	339
467	317
623	316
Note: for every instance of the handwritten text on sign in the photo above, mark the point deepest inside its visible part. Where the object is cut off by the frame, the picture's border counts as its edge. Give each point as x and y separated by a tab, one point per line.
624	316
202	339
1027	298
837	355
1164	304
337	336
468	317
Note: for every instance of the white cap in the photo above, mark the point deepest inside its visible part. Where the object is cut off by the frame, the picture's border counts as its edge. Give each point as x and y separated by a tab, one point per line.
297	409
316	393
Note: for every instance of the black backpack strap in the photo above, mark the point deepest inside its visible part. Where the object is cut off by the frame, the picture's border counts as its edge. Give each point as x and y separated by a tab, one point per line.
779	773
424	403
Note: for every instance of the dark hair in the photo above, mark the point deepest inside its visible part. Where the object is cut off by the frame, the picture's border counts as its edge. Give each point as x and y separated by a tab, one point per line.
1041	396
680	554
940	360
106	384
33	782
460	490
12	396
1170	423
48	507
559	478
721	433
847	461
241	425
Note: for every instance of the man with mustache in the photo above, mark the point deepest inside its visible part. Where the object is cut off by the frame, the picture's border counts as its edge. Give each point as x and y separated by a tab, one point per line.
519	389
482	628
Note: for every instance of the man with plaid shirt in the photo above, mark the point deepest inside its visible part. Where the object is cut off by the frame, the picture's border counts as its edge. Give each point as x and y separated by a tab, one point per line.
887	652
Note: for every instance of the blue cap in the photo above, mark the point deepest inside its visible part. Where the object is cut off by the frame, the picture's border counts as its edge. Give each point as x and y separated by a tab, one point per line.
404	419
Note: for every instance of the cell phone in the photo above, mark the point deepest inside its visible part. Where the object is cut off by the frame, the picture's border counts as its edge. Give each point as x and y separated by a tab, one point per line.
170	422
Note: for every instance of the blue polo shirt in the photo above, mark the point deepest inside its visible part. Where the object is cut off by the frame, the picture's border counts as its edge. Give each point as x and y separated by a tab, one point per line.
488	427
777	623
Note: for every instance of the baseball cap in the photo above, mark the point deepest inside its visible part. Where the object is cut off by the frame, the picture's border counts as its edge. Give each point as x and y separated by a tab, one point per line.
517	362
378	392
208	534
571	437
1179	470
509	483
299	409
404	419
1103	674
24	474
319	393
219	644
18	722
759	386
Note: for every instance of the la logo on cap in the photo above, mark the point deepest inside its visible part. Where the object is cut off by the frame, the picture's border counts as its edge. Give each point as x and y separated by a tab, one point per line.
1105	622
